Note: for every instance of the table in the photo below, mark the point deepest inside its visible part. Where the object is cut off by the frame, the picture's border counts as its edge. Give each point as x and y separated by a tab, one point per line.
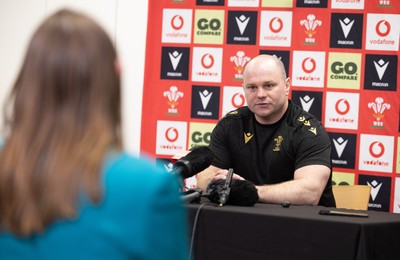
267	231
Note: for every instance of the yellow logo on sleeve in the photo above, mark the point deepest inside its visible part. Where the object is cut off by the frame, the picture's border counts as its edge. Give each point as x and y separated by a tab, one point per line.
247	137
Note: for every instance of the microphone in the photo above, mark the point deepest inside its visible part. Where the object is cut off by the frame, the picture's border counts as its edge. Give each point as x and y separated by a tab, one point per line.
242	192
198	159
226	188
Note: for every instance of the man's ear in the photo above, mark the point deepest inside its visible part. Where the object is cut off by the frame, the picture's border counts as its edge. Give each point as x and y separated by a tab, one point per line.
287	82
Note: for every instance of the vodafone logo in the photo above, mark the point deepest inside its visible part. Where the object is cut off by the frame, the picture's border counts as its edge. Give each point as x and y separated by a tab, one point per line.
207	64
171	134
312	68
177	26
233	98
207	61
273	29
382	28
342	107
171	137
376	153
383	32
308	65
177	22
237	100
276	25
376	149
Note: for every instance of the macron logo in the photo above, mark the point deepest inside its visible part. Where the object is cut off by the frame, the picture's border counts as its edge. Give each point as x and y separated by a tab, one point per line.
381	67
205	97
242	22
346	25
168	167
175	58
375	187
306	102
340	144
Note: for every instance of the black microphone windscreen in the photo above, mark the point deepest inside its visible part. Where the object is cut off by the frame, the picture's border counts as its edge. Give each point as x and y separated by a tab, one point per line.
242	193
199	158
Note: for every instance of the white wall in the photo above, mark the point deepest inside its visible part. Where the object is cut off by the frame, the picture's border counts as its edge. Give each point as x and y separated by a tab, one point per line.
124	20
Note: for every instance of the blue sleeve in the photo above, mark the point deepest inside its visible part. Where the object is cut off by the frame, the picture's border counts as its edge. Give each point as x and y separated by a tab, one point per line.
147	200
168	222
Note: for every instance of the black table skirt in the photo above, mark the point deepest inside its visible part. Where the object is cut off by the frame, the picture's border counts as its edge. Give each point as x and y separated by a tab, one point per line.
267	231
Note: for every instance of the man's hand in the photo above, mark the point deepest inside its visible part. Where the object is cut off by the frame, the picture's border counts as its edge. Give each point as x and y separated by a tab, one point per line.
221	175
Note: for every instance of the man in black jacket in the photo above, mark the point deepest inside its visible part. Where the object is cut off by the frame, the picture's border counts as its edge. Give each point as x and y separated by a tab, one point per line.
282	149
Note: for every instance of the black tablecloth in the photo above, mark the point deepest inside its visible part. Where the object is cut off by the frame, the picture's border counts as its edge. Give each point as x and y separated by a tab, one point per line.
267	231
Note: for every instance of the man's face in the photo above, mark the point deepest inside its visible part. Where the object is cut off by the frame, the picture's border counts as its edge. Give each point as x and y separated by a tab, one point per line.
266	91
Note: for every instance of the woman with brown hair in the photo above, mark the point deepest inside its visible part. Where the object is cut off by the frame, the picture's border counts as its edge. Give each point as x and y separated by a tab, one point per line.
67	189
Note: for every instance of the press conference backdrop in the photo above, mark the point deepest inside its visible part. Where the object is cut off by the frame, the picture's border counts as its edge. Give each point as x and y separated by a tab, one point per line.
341	55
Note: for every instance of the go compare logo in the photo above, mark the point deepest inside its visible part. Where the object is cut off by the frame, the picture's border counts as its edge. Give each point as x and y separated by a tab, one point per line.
209	26
344	70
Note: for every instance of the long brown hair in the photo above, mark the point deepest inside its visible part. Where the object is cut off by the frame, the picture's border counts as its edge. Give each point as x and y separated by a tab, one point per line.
63	116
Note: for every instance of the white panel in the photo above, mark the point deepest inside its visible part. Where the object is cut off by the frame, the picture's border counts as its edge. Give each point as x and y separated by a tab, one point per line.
18	20
131	30
103	11
124	20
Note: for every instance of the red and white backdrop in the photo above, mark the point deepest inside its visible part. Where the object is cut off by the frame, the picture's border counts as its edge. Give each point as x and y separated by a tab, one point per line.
342	57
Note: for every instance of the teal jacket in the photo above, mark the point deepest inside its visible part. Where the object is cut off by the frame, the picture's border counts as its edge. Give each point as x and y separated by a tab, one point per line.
140	217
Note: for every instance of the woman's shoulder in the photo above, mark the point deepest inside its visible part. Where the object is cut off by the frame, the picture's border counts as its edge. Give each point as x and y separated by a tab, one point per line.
123	161
127	170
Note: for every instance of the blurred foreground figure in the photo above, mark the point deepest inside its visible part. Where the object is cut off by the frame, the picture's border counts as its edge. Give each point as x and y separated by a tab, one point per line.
67	189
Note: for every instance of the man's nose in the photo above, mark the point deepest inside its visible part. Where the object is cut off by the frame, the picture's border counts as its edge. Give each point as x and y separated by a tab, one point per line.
261	93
